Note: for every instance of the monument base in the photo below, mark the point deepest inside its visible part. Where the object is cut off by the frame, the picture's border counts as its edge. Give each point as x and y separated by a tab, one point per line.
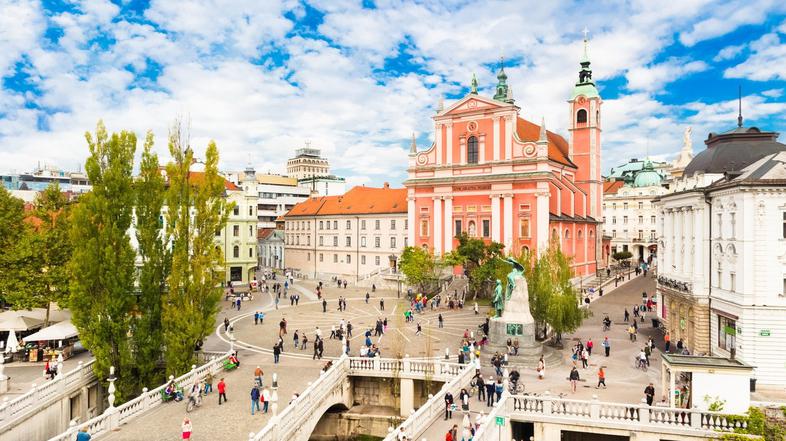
502	328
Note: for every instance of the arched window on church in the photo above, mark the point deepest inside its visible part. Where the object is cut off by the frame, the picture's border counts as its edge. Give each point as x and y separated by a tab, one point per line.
581	116
472	150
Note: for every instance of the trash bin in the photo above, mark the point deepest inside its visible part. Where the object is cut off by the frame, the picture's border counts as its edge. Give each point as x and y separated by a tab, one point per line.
753	385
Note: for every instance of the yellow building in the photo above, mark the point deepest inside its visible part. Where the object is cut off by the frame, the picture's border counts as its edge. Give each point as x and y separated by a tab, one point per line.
239	237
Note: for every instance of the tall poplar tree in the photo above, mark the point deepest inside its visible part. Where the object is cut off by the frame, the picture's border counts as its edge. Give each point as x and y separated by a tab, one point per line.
102	289
148	339
197	209
42	252
11	215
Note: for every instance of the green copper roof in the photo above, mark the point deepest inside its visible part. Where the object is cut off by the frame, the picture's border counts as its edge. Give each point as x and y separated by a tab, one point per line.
587	89
647	177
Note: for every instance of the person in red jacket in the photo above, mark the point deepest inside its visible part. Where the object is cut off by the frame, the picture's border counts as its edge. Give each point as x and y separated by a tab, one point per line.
222	389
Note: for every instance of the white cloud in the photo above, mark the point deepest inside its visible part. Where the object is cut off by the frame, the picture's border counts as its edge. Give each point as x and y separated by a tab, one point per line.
767	60
332	88
653	78
729	52
727	16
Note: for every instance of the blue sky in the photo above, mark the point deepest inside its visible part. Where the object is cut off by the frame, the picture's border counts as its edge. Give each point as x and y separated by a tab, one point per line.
357	78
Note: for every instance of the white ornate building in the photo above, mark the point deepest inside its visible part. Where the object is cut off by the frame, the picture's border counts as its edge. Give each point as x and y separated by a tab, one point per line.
722	274
630	216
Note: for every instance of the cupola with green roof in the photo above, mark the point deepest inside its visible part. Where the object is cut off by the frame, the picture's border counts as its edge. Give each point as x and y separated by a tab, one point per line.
585	86
647	177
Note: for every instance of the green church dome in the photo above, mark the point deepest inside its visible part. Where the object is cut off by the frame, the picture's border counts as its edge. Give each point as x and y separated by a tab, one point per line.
647	177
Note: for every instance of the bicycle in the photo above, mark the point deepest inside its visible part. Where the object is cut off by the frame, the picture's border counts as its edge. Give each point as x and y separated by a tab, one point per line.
638	363
515	388
194	402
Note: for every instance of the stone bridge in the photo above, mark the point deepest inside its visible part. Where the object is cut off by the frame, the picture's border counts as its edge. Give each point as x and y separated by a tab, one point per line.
46	410
335	389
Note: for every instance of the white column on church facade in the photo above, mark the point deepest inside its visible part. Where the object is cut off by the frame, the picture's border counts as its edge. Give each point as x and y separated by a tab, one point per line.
495	219
508	138
448	223
497	146
508	225
698	256
438	142
411	227
542	221
482	147
449	142
437	225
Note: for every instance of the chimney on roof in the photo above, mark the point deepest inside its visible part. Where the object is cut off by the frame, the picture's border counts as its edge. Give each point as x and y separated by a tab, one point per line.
386	185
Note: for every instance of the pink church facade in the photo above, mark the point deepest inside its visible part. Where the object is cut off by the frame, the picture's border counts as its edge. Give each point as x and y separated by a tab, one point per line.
496	176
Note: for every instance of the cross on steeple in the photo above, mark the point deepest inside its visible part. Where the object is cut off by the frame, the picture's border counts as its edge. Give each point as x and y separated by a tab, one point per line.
586	33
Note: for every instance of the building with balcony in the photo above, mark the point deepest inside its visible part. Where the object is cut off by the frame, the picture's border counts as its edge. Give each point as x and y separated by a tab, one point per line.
70	182
630	218
276	194
349	236
722	274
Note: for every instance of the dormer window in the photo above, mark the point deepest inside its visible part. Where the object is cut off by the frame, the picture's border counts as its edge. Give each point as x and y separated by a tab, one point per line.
472	150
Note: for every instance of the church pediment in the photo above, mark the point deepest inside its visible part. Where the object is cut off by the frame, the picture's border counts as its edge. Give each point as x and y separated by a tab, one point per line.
471	103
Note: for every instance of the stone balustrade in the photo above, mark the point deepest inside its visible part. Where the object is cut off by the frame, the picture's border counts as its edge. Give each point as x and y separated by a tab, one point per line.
40	396
112	418
421	419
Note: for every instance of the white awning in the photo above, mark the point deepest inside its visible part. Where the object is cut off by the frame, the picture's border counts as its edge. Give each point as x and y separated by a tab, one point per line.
59	331
19	323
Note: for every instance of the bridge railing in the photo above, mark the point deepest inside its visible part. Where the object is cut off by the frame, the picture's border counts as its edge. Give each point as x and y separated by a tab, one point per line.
114	417
412	368
51	390
286	423
422	418
635	415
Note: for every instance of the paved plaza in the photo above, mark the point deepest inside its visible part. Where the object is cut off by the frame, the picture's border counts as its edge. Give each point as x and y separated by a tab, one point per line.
233	420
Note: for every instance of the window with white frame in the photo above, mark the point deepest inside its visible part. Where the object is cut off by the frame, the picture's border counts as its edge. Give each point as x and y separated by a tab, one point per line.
376	260
335	241
377	242
393	242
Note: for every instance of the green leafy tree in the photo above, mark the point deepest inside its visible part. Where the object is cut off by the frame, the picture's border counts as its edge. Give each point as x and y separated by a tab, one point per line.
480	261
155	263
553	300
42	252
102	289
418	266
11	227
622	257
196	210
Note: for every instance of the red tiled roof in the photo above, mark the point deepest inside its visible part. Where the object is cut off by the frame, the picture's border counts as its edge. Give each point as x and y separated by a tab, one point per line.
264	233
198	176
611	187
358	200
558	146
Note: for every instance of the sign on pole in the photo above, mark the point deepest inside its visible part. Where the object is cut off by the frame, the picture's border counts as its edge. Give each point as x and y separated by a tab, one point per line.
500	421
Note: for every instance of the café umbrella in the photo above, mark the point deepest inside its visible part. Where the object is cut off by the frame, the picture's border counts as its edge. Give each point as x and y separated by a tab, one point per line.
20	323
12	345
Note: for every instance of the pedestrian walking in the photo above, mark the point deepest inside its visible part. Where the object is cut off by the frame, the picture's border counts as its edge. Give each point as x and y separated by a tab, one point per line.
574	378
480	384
258	374
276	353
324	305
627	315
256	318
367	297
82	435
448	405
381	304
316	348
441	321
667	339
601	378
584	358
649	393
419	329
254	398
607	346
185	428
589	346
490	392
222	391
541	368
499	388
226	324
265	399
208	383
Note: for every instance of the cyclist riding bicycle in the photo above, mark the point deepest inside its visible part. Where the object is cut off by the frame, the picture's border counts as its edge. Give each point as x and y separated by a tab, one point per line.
606	323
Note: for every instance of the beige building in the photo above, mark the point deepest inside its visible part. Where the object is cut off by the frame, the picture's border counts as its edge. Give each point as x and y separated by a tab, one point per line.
350	236
307	163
